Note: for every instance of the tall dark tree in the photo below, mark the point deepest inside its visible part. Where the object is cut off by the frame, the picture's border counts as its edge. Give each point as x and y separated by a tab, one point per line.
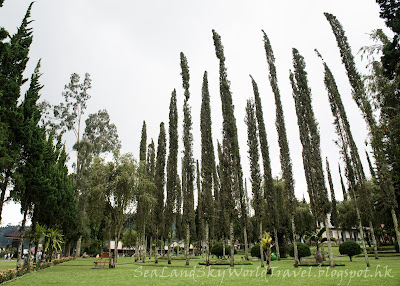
310	140
172	170
258	197
208	168
333	199
371	167
354	169
362	101
269	195
286	163
143	143
29	176
14	52
342	184
159	181
231	169
188	162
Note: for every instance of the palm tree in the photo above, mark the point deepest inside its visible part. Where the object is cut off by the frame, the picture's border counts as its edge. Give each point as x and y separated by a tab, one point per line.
267	244
316	236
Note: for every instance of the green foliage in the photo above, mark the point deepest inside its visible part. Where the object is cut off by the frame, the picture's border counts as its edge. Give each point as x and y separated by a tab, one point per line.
187	163
208	168
310	138
286	163
101	133
255	251
302	248
129	238
172	166
303	218
350	248
217	250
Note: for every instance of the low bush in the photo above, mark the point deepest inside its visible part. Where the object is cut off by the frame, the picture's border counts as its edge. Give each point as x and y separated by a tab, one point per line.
302	249
350	248
217	250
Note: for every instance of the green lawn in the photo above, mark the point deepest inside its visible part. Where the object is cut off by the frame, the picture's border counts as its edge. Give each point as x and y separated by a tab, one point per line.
385	271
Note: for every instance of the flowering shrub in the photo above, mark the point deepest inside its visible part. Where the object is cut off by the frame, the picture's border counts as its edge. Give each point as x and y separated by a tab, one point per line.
6	275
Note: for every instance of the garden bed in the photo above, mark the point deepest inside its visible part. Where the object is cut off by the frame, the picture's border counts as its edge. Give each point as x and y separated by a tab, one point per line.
320	264
225	262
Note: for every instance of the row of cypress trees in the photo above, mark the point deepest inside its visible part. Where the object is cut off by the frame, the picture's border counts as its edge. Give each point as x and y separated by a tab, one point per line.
221	192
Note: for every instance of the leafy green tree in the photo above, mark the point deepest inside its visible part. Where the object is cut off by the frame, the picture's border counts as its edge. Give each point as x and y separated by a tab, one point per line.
172	170
208	168
159	181
310	140
14	52
143	143
286	163
252	141
188	162
129	238
269	195
231	169
303	218
101	133
362	101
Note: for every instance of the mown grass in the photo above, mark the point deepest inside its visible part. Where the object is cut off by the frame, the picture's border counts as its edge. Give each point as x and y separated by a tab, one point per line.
385	271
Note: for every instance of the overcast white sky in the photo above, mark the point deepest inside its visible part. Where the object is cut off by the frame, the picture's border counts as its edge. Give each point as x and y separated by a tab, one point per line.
131	50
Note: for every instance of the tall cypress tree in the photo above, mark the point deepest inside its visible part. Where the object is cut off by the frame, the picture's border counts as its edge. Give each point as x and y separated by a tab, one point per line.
354	168
143	144
232	183
172	171
359	95
333	199
310	140
252	142
371	167
286	163
207	162
187	164
269	190
159	180
13	61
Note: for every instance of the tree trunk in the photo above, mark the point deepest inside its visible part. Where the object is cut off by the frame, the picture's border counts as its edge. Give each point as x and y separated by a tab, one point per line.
155	249
223	247
187	244
116	249
328	237
261	248
246	244
144	241
21	242
371	228
78	247
278	255
207	245
29	254
396	226
296	253
151	247
362	236
169	249
322	252
268	260
3	192
137	249
232	262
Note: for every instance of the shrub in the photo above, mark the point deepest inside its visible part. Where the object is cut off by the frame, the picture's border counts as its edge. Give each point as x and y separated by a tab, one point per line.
176	248
350	248
217	250
255	250
302	248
